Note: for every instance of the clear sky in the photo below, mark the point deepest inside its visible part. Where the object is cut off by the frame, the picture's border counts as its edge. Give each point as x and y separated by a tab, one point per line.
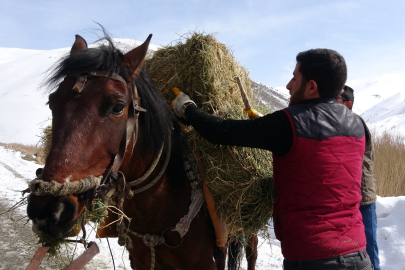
265	36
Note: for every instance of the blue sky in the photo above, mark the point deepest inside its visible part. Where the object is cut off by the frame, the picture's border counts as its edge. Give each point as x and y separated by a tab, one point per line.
265	36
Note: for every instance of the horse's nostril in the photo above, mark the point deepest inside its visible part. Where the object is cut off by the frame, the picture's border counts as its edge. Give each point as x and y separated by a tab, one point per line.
65	211
38	172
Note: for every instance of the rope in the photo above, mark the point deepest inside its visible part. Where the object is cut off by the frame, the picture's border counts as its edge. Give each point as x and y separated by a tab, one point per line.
41	188
131	193
149	171
151	241
112	257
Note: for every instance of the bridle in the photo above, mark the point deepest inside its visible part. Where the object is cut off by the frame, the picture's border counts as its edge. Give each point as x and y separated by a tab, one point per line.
131	129
112	180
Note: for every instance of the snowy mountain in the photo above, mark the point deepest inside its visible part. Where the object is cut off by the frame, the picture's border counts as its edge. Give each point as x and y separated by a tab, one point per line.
268	96
379	99
24	113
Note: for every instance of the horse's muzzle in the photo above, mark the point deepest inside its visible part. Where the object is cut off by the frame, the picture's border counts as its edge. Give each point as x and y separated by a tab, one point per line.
51	216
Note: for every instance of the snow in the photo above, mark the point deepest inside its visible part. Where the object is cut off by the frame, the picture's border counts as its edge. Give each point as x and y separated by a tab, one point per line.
380	100
391	232
390	214
24	113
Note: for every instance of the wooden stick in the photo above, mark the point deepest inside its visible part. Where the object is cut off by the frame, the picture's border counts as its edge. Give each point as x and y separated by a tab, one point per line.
77	264
244	96
37	259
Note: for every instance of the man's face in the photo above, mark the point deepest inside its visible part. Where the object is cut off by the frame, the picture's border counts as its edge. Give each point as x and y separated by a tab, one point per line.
297	90
341	100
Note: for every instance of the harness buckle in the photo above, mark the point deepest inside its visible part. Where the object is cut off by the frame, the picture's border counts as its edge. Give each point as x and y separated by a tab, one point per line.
80	82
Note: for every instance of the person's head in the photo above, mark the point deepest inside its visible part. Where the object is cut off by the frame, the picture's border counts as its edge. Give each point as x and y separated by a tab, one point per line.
346	97
319	73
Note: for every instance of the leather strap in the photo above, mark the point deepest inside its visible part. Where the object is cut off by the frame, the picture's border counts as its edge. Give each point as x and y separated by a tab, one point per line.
132	122
83	76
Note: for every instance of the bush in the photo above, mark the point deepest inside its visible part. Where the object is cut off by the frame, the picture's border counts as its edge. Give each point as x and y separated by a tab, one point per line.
29	152
389	166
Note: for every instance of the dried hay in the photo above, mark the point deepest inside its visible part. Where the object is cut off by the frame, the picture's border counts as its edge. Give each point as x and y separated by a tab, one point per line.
239	178
46	141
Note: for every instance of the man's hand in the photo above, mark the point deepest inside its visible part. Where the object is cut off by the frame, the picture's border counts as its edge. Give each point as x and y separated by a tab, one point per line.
252	113
180	103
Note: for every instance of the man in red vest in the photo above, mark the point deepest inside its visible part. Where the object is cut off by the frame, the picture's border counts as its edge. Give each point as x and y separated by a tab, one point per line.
318	147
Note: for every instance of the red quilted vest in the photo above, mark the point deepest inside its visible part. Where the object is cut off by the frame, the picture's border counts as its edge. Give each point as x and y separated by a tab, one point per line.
316	211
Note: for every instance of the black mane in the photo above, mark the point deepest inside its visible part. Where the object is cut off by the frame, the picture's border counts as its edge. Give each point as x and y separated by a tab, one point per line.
159	122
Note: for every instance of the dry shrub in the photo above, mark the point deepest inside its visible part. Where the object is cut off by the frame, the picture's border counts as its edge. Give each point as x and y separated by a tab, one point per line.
240	179
29	152
23	148
389	166
45	141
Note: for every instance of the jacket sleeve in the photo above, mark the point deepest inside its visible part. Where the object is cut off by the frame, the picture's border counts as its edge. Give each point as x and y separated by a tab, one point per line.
271	132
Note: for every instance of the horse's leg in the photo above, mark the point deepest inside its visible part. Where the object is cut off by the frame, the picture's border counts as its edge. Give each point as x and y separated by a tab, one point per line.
220	256
234	257
251	252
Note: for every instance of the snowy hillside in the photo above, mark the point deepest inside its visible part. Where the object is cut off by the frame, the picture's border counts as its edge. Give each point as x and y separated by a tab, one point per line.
24	113
380	99
268	96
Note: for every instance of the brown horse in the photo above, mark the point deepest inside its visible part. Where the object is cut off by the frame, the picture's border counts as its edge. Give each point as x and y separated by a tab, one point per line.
96	132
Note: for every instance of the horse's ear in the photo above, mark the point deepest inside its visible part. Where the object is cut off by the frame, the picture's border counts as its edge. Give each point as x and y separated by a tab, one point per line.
134	59
80	44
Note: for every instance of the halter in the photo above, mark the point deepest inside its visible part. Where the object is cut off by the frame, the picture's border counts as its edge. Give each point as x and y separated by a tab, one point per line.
113	184
110	181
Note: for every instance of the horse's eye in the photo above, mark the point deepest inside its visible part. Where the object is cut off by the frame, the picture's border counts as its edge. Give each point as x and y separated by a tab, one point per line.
117	109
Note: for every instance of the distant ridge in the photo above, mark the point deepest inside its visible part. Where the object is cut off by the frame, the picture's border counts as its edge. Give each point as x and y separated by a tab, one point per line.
268	96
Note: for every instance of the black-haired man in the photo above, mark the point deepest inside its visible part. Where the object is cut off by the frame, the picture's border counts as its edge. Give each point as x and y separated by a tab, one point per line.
368	193
346	97
317	157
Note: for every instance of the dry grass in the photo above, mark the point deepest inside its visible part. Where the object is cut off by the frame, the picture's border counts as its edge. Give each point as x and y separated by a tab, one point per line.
389	166
240	179
23	148
29	152
45	141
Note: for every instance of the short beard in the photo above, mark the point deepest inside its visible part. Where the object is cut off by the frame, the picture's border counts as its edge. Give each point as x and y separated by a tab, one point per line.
298	97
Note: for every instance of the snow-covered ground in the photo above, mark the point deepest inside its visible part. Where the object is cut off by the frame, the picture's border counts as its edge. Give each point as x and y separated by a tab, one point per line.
380	100
14	174
15	171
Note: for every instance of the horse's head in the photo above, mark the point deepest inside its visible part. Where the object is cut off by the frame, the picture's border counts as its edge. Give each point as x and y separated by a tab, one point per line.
91	109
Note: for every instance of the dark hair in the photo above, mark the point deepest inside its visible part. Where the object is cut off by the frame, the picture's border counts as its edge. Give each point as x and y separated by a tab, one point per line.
326	67
347	94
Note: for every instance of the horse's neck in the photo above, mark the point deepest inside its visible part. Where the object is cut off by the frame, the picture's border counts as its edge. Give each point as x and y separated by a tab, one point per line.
138	158
159	205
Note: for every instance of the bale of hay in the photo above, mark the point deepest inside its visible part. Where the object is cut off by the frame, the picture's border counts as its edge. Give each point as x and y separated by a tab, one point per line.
240	179
45	141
